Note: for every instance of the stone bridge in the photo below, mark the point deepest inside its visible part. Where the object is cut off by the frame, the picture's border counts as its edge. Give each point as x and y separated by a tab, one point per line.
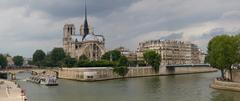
33	71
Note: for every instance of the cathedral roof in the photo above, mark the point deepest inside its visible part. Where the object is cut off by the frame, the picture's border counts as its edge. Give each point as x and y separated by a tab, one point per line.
89	37
76	38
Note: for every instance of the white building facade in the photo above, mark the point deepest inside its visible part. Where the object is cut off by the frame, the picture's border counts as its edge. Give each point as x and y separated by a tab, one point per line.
172	52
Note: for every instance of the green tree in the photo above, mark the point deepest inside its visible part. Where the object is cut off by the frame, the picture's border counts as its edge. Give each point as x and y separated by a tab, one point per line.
83	58
47	62
121	67
223	53
113	55
57	56
123	61
18	60
121	70
38	57
153	59
69	62
3	61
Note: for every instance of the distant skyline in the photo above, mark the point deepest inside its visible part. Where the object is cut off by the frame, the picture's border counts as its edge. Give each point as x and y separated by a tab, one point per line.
27	25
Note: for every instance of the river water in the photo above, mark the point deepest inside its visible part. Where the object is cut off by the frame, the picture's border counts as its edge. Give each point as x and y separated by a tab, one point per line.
191	87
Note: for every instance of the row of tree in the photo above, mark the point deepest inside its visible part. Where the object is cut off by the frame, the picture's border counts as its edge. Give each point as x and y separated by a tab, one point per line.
17	60
113	58
224	52
58	58
55	58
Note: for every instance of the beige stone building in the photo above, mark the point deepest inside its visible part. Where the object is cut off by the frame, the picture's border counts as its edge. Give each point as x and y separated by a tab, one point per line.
132	56
86	43
172	52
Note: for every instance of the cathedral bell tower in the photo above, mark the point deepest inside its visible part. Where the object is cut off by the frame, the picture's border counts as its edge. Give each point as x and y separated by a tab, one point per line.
68	31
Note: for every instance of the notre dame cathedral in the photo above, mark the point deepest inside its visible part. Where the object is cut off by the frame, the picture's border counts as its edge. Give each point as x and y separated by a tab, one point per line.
86	43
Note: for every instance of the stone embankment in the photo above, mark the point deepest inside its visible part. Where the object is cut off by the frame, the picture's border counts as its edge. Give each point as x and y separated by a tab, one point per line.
9	91
225	85
106	73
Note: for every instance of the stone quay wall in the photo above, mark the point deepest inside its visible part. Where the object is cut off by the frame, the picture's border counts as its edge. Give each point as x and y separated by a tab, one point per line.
224	85
106	73
235	75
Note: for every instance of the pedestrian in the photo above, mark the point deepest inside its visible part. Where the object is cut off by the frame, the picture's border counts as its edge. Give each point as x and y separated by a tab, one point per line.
8	87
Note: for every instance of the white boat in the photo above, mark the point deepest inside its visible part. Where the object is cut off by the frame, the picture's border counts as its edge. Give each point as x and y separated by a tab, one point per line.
44	80
49	81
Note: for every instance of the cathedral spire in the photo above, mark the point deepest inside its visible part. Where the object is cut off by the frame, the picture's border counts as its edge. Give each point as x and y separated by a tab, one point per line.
85	26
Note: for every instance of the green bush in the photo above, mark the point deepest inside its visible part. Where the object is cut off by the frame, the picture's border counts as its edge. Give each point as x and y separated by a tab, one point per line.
100	63
121	70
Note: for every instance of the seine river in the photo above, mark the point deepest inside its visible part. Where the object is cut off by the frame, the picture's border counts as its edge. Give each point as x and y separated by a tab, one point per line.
191	87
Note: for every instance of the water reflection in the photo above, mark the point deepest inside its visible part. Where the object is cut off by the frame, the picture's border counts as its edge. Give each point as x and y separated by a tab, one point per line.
225	96
193	87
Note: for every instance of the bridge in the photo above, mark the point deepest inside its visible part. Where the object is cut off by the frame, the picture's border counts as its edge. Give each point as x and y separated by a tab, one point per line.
12	72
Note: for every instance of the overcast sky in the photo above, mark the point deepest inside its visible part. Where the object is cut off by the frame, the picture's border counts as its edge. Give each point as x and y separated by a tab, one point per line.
27	25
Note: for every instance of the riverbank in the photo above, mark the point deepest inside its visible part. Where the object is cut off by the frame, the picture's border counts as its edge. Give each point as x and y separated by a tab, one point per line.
9	91
225	85
105	73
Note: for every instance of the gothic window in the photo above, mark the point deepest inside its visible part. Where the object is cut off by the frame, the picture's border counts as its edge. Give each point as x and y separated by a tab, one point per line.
94	46
76	46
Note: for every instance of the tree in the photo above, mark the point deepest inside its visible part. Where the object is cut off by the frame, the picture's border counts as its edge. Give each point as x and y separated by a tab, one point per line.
153	59
123	61
69	62
3	61
38	57
57	56
121	70
113	55
121	67
223	53
18	60
48	61
83	58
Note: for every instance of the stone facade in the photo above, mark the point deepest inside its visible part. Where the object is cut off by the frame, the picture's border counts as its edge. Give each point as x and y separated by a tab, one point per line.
235	75
86	43
225	85
93	46
172	52
132	56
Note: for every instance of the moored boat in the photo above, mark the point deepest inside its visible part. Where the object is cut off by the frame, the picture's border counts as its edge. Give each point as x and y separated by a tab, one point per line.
44	80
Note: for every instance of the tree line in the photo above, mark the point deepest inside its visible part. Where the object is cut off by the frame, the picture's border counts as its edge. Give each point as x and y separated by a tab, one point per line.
58	58
17	60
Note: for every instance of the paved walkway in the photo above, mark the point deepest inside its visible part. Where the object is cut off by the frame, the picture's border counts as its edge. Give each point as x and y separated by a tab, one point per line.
9	91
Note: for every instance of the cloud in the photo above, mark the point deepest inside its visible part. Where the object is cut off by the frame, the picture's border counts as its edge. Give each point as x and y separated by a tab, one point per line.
173	36
27	25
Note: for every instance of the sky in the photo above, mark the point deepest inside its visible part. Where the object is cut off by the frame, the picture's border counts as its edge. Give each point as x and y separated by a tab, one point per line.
27	25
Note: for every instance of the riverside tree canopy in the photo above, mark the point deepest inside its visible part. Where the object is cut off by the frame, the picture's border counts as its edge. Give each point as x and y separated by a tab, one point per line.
153	59
223	52
18	60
